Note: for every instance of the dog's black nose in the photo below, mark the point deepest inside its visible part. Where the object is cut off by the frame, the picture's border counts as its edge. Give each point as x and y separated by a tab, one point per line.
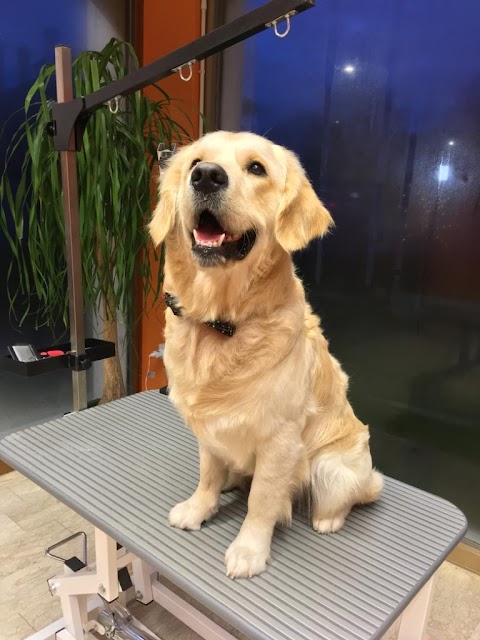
208	177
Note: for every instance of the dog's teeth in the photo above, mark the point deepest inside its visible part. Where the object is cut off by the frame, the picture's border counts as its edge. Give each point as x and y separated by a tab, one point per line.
234	238
208	243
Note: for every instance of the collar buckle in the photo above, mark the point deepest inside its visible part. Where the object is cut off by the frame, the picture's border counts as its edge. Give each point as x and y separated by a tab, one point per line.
225	328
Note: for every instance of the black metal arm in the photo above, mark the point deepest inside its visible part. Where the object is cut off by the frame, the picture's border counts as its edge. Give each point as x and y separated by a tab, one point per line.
71	115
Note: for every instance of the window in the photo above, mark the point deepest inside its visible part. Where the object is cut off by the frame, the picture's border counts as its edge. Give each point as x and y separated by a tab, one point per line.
381	99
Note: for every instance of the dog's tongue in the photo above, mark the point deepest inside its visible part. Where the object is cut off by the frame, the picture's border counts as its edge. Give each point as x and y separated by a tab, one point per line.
209	231
208	235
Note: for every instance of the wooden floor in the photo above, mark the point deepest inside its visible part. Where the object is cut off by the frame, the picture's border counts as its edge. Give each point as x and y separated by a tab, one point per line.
31	519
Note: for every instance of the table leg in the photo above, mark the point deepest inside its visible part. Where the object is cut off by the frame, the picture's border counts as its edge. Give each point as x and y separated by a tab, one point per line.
414	619
142	579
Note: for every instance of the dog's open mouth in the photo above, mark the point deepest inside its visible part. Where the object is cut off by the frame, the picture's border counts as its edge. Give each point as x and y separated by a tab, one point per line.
212	244
209	233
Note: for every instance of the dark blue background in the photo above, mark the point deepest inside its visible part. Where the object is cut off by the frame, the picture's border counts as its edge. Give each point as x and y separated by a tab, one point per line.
29	32
397	283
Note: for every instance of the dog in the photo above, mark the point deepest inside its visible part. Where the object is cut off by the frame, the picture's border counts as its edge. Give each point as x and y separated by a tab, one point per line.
247	363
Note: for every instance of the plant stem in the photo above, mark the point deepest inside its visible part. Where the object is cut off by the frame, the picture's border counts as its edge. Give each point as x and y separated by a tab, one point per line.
113	384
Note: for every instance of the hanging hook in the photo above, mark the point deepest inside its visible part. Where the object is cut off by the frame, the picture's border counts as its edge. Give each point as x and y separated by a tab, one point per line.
114	104
190	74
274	24
287	29
164	154
181	68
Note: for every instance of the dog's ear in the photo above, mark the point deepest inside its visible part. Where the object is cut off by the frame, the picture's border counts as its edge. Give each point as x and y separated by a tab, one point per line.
301	216
163	218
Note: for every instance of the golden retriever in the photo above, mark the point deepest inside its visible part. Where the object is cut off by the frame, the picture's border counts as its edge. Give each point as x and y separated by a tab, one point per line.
268	402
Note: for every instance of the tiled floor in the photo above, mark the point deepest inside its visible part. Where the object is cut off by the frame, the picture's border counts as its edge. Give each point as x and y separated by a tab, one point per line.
31	519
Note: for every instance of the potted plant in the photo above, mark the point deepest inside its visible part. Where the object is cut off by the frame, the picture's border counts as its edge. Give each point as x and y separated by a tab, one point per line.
115	167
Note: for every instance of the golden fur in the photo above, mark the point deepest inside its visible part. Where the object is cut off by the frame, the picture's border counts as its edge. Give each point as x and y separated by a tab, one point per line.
269	402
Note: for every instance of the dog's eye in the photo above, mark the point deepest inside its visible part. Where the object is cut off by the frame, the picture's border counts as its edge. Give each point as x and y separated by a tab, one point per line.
257	169
196	161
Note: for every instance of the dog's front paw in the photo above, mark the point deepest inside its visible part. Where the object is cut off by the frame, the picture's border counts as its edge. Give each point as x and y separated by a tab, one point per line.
245	560
190	514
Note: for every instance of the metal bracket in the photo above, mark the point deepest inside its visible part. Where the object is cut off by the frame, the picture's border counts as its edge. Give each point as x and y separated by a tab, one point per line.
78	362
67	117
119	622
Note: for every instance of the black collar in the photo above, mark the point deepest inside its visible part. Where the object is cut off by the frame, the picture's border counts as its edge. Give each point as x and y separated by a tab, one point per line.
226	328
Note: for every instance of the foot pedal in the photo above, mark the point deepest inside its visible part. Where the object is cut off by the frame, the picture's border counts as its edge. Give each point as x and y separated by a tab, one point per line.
124	579
73	563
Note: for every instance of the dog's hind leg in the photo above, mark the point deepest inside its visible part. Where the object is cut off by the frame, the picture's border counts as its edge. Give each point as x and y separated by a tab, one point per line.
341	478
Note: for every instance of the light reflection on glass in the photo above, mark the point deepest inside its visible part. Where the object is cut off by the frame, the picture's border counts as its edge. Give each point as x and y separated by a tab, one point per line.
443	172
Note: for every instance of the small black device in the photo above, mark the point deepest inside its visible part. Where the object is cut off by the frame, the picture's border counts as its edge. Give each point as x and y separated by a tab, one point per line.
23	352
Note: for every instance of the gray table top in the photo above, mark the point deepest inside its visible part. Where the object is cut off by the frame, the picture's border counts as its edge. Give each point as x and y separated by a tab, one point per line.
125	464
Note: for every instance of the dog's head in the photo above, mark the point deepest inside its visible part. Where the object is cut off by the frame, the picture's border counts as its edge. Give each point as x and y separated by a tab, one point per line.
231	195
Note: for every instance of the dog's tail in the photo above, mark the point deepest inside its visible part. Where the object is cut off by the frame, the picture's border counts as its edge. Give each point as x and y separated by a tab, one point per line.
373	488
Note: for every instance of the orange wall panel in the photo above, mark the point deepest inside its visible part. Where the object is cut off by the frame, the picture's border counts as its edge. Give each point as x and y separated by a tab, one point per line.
166	26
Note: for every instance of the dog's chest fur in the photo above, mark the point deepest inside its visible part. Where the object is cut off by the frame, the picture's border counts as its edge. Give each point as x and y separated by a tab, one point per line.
229	390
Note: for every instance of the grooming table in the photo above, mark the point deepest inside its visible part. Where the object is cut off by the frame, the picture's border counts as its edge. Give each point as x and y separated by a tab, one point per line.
125	464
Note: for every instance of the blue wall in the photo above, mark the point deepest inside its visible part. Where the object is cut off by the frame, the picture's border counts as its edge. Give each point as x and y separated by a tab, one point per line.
29	31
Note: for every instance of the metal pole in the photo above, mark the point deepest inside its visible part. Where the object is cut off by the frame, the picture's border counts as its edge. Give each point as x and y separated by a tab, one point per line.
63	69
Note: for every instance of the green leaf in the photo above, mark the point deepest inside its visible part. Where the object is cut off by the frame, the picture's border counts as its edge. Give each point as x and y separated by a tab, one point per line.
114	168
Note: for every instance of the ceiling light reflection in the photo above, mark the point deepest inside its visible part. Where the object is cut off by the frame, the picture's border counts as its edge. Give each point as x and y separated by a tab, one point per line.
443	172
